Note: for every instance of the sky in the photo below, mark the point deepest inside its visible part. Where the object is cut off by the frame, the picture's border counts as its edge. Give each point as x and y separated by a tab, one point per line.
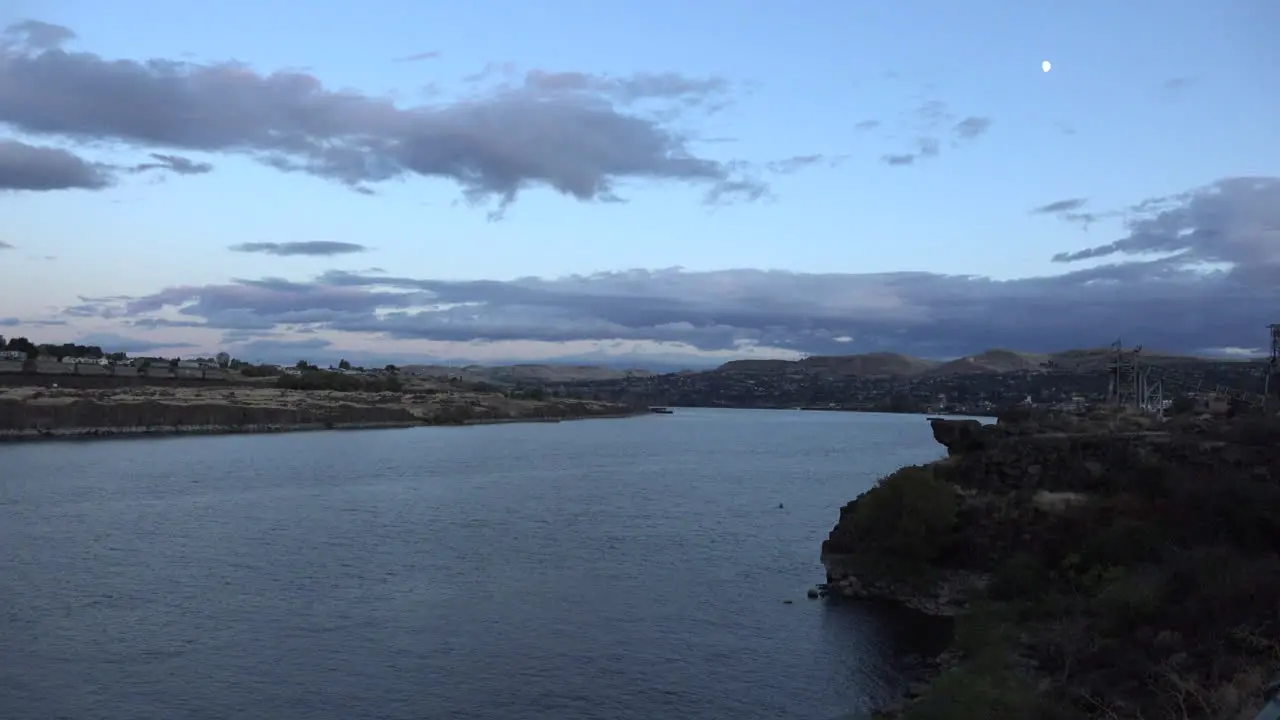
638	183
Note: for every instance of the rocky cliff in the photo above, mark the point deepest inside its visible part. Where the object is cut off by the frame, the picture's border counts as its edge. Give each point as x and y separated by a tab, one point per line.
1105	567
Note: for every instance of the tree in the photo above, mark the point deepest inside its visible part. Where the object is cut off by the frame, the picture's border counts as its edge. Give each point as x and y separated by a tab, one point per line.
302	364
223	360
343	364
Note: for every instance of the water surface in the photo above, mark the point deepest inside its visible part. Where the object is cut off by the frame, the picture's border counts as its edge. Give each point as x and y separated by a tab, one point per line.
605	569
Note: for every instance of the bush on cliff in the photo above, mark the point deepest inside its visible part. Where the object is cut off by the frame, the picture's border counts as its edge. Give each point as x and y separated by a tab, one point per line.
1155	601
908	516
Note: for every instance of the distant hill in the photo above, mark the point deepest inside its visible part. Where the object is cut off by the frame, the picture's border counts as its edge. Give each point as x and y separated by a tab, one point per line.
523	373
868	365
996	361
991	361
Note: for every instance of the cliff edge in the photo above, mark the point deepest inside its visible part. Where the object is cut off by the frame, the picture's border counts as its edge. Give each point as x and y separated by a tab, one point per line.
1101	567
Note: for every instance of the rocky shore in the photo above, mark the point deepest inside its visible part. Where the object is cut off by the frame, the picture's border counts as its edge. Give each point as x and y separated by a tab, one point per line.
1096	567
50	414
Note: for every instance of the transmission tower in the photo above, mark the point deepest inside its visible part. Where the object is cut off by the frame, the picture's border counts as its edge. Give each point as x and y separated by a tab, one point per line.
1125	377
1132	384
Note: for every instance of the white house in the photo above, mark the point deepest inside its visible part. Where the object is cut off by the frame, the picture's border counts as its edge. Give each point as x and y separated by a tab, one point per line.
84	361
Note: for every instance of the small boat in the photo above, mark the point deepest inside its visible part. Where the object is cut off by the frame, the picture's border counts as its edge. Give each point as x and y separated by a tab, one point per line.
662	410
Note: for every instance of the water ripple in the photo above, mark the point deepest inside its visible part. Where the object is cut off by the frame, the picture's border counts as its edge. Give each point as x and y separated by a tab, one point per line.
623	570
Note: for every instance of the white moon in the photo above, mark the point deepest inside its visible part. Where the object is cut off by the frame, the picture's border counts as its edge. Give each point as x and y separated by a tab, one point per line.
1046	66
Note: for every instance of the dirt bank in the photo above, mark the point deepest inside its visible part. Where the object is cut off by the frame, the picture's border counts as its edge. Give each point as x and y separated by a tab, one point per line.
41	413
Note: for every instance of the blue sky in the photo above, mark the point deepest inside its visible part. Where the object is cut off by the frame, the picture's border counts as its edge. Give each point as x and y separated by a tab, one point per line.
1145	100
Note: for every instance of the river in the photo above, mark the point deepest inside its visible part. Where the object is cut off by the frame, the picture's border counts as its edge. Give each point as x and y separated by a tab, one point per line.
606	569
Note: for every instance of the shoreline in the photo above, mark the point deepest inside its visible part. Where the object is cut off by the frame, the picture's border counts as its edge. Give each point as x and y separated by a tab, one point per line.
87	434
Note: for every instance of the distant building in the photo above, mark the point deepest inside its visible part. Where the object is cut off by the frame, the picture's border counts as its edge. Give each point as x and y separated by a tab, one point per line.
84	361
13	355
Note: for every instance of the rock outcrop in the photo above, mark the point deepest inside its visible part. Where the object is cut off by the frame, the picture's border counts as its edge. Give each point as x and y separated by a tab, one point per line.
1133	565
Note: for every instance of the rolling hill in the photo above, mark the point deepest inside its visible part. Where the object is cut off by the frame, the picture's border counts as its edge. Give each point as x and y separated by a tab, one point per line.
989	362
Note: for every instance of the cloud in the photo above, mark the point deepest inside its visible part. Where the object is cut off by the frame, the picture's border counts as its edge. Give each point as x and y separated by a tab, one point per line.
276	350
971	127
930	120
36	35
800	162
418	57
315	248
39	168
1072	210
866	125
173	163
1199	269
113	342
16	322
898	160
580	134
5	246
1174	87
1234	221
29	167
1060	206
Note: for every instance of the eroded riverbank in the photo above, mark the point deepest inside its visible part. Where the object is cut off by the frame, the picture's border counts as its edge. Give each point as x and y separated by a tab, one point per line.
35	413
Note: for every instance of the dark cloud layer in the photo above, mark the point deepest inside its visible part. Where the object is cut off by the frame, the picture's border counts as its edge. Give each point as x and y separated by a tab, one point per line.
35	168
315	248
577	133
1172	301
28	167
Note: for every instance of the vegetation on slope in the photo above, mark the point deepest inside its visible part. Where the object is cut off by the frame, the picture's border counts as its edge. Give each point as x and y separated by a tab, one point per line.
1149	588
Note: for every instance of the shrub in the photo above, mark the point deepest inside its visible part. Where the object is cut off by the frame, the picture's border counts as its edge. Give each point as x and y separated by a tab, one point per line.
1021	577
908	515
966	693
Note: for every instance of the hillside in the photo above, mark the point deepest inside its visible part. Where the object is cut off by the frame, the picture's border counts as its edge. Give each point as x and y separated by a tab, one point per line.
868	365
991	361
994	361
